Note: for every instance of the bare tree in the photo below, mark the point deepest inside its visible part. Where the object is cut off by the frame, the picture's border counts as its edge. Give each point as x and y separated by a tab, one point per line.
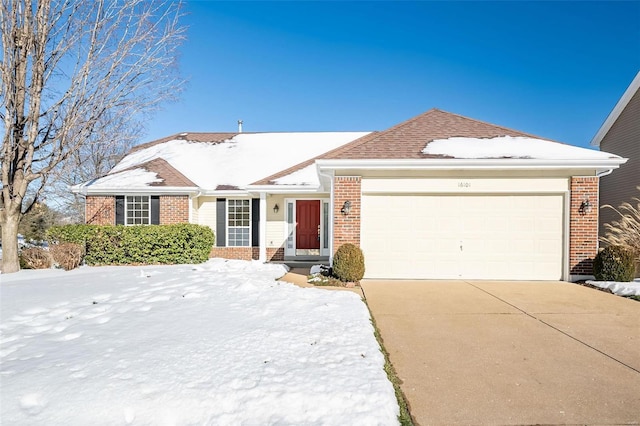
71	71
93	160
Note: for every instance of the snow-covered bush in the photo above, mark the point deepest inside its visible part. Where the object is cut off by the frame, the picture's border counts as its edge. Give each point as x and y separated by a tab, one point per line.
348	263
153	244
67	255
35	258
614	263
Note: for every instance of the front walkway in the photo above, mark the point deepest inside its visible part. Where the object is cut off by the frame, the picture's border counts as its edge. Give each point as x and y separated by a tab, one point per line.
482	352
299	277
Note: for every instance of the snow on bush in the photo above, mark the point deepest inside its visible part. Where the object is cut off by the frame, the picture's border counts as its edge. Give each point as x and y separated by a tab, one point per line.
219	343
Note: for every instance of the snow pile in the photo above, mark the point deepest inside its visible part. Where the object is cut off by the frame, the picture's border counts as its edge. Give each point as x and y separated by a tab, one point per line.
219	343
511	147
241	160
623	289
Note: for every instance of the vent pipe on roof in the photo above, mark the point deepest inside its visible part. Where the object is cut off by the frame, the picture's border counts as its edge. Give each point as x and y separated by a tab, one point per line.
239	126
182	136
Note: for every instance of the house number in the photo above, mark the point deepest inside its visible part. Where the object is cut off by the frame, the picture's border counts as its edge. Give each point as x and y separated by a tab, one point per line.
464	184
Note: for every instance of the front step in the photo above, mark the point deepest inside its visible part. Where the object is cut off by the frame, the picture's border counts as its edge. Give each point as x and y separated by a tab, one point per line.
303	263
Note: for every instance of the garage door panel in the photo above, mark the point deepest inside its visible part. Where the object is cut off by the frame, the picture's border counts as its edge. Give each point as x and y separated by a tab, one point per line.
470	236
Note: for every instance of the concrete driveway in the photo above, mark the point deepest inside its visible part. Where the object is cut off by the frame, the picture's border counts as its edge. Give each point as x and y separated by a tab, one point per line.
485	352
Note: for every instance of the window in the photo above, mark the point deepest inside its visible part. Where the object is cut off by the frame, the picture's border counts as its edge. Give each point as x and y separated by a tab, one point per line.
325	224
138	210
238	223
290	225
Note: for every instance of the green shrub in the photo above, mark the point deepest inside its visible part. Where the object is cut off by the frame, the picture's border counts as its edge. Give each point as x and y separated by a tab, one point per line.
614	263
348	263
153	244
35	258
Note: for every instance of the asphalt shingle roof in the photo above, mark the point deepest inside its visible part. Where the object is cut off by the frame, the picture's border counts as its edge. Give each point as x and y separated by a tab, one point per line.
407	140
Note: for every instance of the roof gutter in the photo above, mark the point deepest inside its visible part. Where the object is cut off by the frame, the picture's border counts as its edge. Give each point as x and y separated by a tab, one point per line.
289	189
168	190
471	164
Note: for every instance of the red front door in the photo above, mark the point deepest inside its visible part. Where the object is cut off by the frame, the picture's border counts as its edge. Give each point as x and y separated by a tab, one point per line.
308	226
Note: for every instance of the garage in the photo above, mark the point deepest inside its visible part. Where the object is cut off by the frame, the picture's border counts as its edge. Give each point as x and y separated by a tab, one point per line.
503	236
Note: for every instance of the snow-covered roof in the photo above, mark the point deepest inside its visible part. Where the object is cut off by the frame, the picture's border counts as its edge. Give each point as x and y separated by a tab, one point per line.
208	162
511	147
306	176
229	164
133	178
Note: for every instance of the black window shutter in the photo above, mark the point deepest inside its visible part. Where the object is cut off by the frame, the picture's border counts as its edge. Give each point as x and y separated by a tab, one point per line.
155	210
221	222
119	209
255	222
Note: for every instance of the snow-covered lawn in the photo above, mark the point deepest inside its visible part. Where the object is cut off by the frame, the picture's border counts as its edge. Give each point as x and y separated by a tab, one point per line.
623	289
219	343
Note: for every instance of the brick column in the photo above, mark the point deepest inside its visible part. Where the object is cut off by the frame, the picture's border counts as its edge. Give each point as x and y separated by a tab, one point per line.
583	227
99	210
346	228
174	209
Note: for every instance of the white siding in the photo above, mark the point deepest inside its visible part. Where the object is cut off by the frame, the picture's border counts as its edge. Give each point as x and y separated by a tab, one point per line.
206	212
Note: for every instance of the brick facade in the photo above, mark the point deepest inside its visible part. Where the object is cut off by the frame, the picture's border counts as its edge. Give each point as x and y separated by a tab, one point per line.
99	210
346	228
247	253
275	254
174	209
583	226
242	253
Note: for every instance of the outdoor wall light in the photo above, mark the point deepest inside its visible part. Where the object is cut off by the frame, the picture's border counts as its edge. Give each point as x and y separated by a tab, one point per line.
276	208
346	207
585	207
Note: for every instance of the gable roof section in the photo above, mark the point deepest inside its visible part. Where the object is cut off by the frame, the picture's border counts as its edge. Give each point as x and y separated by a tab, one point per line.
617	110
438	134
155	173
165	171
407	139
217	161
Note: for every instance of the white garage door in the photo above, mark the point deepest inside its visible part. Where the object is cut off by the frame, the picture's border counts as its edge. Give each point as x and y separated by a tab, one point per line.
471	236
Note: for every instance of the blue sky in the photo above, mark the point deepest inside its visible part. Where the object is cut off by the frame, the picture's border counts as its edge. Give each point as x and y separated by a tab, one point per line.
554	69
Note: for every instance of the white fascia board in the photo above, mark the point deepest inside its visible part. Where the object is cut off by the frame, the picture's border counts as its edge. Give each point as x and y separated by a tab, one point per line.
160	190
283	189
325	177
225	193
617	110
470	164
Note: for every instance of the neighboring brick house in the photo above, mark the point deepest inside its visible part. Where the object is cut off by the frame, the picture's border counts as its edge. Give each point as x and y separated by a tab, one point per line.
620	134
437	196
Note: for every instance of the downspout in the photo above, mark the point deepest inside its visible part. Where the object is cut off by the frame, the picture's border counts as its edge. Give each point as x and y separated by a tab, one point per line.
191	198
605	173
82	192
330	177
262	229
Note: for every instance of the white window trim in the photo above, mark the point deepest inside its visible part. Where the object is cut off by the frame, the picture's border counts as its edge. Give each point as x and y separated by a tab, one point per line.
126	210
227	227
292	251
